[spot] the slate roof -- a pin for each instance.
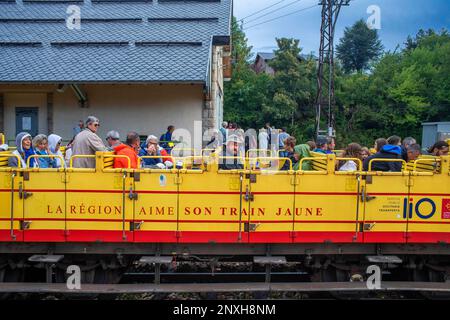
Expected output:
(119, 40)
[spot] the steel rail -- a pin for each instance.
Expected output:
(12, 287)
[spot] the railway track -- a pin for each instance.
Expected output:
(389, 286)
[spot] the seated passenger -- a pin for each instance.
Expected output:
(353, 150)
(54, 144)
(300, 152)
(40, 144)
(68, 152)
(23, 151)
(289, 145)
(321, 145)
(407, 142)
(439, 149)
(231, 154)
(151, 148)
(130, 149)
(331, 145)
(365, 153)
(413, 152)
(312, 145)
(112, 139)
(379, 143)
(391, 150)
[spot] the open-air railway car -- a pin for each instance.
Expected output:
(324, 219)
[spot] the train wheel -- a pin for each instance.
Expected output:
(108, 276)
(8, 274)
(436, 276)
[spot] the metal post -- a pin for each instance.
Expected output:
(13, 236)
(240, 205)
(330, 13)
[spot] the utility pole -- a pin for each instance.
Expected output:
(330, 13)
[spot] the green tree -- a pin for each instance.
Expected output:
(293, 87)
(359, 47)
(245, 94)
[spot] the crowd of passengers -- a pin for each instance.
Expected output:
(392, 148)
(45, 152)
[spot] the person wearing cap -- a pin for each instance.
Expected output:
(321, 145)
(87, 142)
(230, 154)
(112, 139)
(24, 151)
(151, 148)
(128, 149)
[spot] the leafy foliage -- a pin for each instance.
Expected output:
(402, 90)
(359, 46)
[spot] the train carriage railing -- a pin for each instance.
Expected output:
(355, 186)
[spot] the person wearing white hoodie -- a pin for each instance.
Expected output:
(54, 144)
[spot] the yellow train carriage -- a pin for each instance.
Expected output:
(201, 204)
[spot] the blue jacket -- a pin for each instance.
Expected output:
(149, 162)
(166, 137)
(45, 162)
(387, 152)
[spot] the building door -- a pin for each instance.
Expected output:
(27, 120)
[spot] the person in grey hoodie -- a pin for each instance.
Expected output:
(24, 151)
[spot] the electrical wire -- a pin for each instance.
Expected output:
(272, 11)
(263, 9)
(279, 17)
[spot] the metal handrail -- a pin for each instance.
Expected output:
(258, 150)
(182, 149)
(424, 160)
(77, 156)
(10, 155)
(236, 158)
(208, 149)
(310, 159)
(386, 160)
(351, 159)
(189, 157)
(274, 158)
(151, 157)
(37, 156)
(119, 156)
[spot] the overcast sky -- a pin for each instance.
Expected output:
(399, 18)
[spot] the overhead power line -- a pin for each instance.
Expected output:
(272, 11)
(279, 17)
(263, 9)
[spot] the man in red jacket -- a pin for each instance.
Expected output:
(129, 149)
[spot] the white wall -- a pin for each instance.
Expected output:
(24, 99)
(147, 109)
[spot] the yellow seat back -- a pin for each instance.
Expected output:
(321, 163)
(4, 159)
(108, 162)
(428, 165)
